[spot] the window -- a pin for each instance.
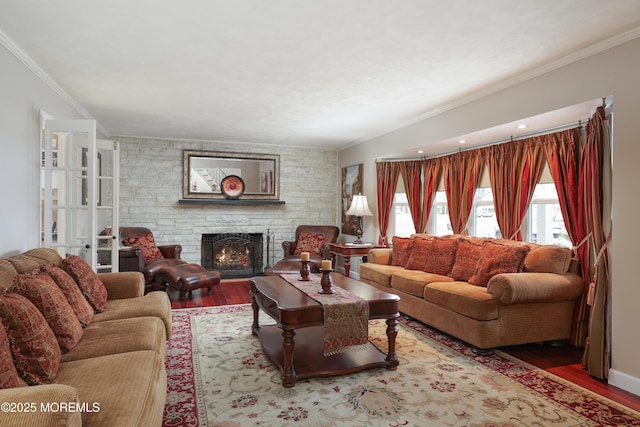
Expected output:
(403, 222)
(544, 221)
(482, 221)
(439, 223)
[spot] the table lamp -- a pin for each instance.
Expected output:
(359, 208)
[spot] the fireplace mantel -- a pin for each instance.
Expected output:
(229, 202)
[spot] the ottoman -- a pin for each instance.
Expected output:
(187, 277)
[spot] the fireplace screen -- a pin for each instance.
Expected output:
(233, 254)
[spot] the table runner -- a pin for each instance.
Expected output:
(346, 316)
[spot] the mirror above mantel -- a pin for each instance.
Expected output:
(204, 172)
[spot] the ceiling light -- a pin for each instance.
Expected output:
(462, 141)
(420, 151)
(523, 126)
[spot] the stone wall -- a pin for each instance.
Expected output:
(151, 185)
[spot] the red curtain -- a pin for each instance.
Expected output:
(595, 174)
(432, 171)
(387, 176)
(563, 151)
(514, 171)
(411, 172)
(461, 173)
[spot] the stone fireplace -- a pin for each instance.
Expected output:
(233, 254)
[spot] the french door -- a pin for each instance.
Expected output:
(80, 193)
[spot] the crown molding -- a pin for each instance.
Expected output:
(609, 43)
(33, 66)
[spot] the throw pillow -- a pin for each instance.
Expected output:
(88, 281)
(496, 258)
(467, 259)
(400, 250)
(146, 244)
(42, 291)
(310, 242)
(81, 307)
(443, 254)
(9, 377)
(35, 350)
(421, 249)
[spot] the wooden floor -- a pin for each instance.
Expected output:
(562, 361)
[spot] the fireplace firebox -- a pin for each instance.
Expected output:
(233, 254)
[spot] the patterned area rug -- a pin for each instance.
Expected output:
(219, 377)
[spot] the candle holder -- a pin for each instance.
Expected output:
(326, 282)
(305, 272)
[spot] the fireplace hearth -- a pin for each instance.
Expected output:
(233, 254)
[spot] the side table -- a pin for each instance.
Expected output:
(346, 251)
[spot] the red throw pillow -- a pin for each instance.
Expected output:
(421, 249)
(496, 258)
(400, 250)
(35, 350)
(81, 307)
(88, 281)
(442, 256)
(42, 291)
(310, 242)
(9, 377)
(467, 259)
(146, 244)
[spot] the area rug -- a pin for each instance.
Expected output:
(219, 377)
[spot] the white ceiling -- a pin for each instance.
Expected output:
(294, 72)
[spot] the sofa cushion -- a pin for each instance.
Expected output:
(497, 258)
(154, 304)
(45, 256)
(9, 377)
(467, 260)
(81, 307)
(400, 250)
(414, 281)
(90, 285)
(7, 273)
(42, 291)
(23, 263)
(35, 350)
(310, 242)
(130, 388)
(147, 244)
(120, 336)
(378, 273)
(463, 298)
(548, 259)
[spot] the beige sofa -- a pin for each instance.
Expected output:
(115, 375)
(533, 302)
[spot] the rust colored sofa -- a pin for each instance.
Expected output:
(308, 238)
(115, 371)
(487, 292)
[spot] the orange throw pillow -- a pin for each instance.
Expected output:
(497, 259)
(400, 250)
(441, 259)
(35, 350)
(467, 259)
(42, 291)
(88, 281)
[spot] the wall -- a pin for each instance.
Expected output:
(151, 185)
(611, 72)
(22, 96)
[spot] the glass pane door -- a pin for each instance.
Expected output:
(107, 198)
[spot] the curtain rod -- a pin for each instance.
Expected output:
(495, 142)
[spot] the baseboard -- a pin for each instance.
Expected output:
(624, 381)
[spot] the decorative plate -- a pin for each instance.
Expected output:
(232, 186)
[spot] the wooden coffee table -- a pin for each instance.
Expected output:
(295, 343)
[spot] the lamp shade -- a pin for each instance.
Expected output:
(359, 206)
